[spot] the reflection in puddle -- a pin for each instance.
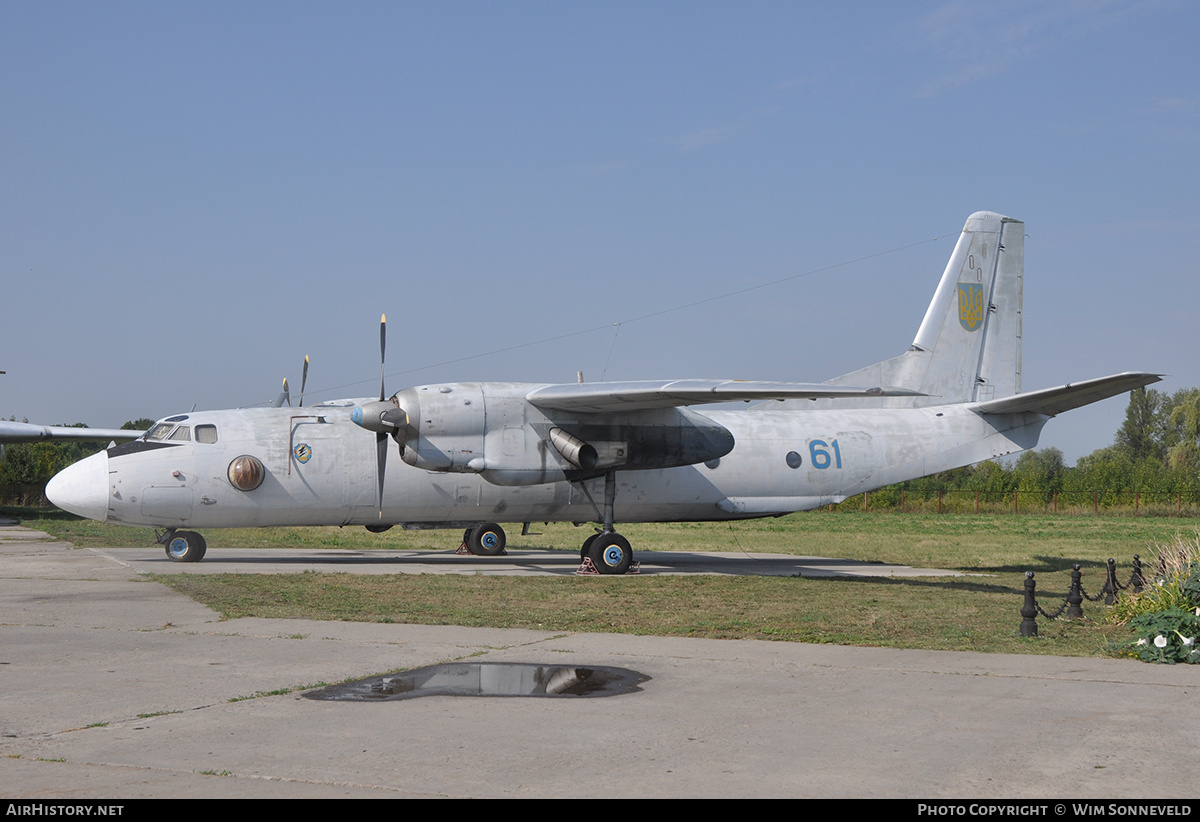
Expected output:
(488, 679)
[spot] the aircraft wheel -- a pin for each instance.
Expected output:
(611, 553)
(186, 546)
(486, 540)
(587, 546)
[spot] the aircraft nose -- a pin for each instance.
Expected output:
(82, 488)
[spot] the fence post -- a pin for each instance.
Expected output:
(1110, 587)
(1095, 503)
(939, 500)
(1015, 493)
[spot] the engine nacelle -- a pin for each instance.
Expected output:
(492, 430)
(446, 427)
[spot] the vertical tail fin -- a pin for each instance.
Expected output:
(968, 347)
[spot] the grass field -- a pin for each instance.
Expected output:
(978, 612)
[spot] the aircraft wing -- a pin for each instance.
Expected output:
(1052, 401)
(607, 397)
(28, 432)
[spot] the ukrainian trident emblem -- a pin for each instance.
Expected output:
(970, 306)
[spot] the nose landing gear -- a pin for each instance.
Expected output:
(183, 546)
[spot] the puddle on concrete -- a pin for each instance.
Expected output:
(489, 679)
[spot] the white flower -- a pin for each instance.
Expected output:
(1189, 641)
(1142, 641)
(1160, 641)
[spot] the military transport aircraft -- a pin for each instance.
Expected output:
(472, 454)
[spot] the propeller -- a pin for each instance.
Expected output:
(384, 417)
(285, 395)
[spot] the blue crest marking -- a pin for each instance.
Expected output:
(302, 452)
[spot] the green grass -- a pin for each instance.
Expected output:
(977, 613)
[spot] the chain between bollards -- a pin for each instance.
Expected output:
(1073, 602)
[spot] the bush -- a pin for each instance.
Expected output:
(1166, 636)
(1165, 616)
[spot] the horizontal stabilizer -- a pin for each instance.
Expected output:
(1052, 401)
(607, 397)
(28, 432)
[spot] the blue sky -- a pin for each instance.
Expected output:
(194, 196)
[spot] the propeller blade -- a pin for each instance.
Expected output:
(284, 396)
(303, 380)
(381, 457)
(382, 349)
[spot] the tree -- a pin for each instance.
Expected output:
(1041, 471)
(1144, 433)
(1184, 453)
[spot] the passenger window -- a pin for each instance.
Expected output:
(206, 433)
(182, 434)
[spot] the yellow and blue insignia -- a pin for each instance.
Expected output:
(302, 453)
(970, 306)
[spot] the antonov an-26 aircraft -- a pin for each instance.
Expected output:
(472, 454)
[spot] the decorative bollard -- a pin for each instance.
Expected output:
(1075, 595)
(1110, 587)
(1029, 610)
(1137, 581)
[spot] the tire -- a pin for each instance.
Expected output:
(486, 540)
(587, 546)
(611, 553)
(186, 546)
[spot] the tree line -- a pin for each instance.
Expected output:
(1155, 455)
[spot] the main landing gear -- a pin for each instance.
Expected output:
(607, 551)
(484, 540)
(183, 546)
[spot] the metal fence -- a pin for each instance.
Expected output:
(1097, 502)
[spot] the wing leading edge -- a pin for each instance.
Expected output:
(28, 432)
(608, 397)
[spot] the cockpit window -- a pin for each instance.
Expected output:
(206, 433)
(182, 434)
(160, 431)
